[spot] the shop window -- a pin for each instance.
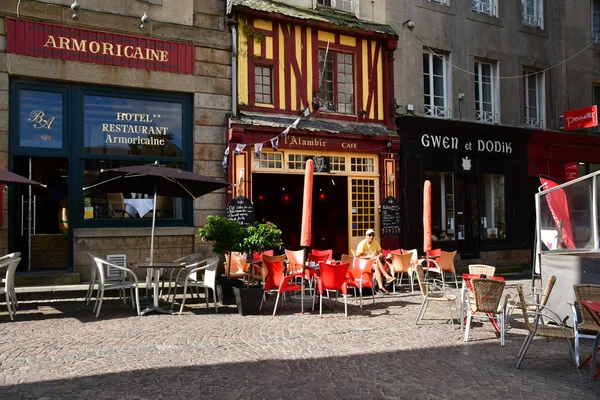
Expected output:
(442, 205)
(337, 163)
(487, 7)
(99, 205)
(268, 160)
(336, 90)
(362, 164)
(533, 99)
(40, 119)
(296, 161)
(132, 127)
(596, 21)
(486, 87)
(363, 206)
(262, 85)
(532, 13)
(492, 207)
(434, 85)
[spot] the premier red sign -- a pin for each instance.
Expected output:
(582, 118)
(55, 41)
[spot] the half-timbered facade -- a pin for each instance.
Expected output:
(312, 83)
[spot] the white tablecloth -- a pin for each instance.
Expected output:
(140, 206)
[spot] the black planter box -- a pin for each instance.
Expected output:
(225, 289)
(248, 300)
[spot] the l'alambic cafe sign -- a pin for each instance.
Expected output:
(67, 43)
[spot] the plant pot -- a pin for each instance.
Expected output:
(248, 299)
(225, 289)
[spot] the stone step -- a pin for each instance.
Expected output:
(43, 278)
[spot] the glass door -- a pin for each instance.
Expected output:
(467, 215)
(42, 232)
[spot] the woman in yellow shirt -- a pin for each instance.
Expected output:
(369, 248)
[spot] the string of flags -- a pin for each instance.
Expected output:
(259, 146)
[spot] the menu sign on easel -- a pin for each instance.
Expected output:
(240, 209)
(390, 216)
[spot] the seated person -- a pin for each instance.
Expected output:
(369, 248)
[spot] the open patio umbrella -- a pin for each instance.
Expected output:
(156, 179)
(306, 232)
(11, 177)
(426, 216)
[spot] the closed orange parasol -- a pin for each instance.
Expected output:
(306, 232)
(426, 216)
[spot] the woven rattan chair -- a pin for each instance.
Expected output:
(487, 297)
(433, 291)
(548, 331)
(482, 269)
(584, 326)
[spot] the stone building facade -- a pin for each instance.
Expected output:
(93, 84)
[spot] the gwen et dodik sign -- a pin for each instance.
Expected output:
(67, 43)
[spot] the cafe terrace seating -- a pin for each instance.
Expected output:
(487, 298)
(536, 300)
(584, 326)
(557, 330)
(199, 275)
(482, 269)
(189, 259)
(110, 275)
(277, 280)
(433, 291)
(360, 275)
(332, 277)
(8, 265)
(295, 261)
(104, 285)
(401, 264)
(442, 264)
(328, 253)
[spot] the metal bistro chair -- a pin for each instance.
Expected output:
(584, 326)
(487, 297)
(433, 291)
(548, 331)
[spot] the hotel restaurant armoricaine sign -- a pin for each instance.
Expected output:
(127, 126)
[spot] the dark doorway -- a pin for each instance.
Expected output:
(278, 199)
(41, 214)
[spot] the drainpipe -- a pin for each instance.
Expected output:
(233, 24)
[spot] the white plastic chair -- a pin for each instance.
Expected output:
(110, 275)
(106, 285)
(9, 284)
(185, 260)
(192, 279)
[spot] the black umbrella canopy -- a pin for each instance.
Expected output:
(166, 181)
(10, 177)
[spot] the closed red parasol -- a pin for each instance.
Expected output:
(426, 216)
(306, 232)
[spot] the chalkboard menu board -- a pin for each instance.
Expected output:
(390, 217)
(240, 209)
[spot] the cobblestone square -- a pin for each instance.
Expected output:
(58, 350)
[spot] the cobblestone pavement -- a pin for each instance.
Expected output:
(58, 350)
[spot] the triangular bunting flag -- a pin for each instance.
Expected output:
(257, 149)
(238, 148)
(295, 124)
(284, 133)
(225, 161)
(306, 113)
(275, 143)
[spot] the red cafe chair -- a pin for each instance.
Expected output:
(328, 253)
(332, 277)
(257, 261)
(361, 276)
(277, 280)
(431, 262)
(310, 274)
(388, 258)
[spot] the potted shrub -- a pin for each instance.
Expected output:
(259, 237)
(226, 236)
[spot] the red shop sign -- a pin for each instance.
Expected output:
(581, 118)
(571, 171)
(66, 43)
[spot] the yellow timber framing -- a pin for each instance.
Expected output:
(369, 179)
